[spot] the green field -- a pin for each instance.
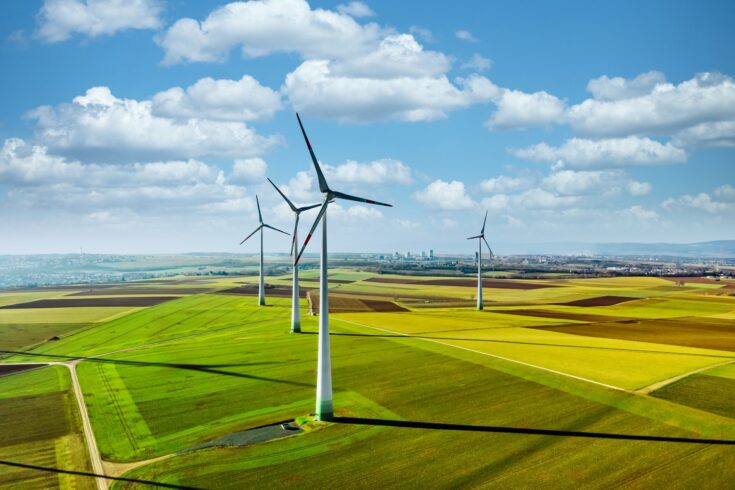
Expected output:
(40, 432)
(529, 392)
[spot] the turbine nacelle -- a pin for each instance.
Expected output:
(481, 236)
(329, 195)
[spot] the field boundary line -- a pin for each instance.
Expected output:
(647, 390)
(617, 388)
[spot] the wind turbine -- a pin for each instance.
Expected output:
(480, 238)
(324, 405)
(295, 307)
(261, 285)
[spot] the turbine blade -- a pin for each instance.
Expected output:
(293, 208)
(306, 208)
(253, 233)
(473, 237)
(342, 195)
(276, 229)
(483, 224)
(257, 203)
(488, 247)
(311, 232)
(323, 187)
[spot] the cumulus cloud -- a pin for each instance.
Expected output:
(355, 9)
(99, 126)
(720, 133)
(228, 100)
(263, 27)
(248, 170)
(385, 171)
(725, 192)
(642, 214)
(478, 63)
(314, 88)
(701, 202)
(505, 183)
(59, 19)
(46, 181)
(449, 196)
(612, 152)
(617, 88)
(648, 105)
(518, 110)
(465, 36)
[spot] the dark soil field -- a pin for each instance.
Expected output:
(710, 393)
(459, 282)
(692, 332)
(347, 304)
(270, 290)
(127, 291)
(6, 370)
(562, 315)
(93, 302)
(600, 301)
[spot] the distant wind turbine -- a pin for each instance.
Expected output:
(295, 307)
(480, 238)
(261, 285)
(324, 405)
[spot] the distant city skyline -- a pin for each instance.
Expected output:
(149, 126)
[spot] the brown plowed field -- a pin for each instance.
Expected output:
(270, 290)
(126, 291)
(346, 304)
(131, 301)
(600, 301)
(10, 369)
(487, 283)
(706, 333)
(562, 315)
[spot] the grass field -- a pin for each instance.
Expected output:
(39, 427)
(532, 391)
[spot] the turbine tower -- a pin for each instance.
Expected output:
(261, 285)
(324, 405)
(480, 238)
(295, 307)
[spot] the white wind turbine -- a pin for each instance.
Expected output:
(480, 238)
(261, 285)
(324, 405)
(295, 307)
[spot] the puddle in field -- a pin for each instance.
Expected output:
(253, 436)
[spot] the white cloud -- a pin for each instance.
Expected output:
(352, 213)
(228, 100)
(445, 195)
(642, 214)
(465, 36)
(665, 108)
(385, 171)
(636, 188)
(60, 19)
(725, 192)
(396, 56)
(422, 33)
(355, 9)
(248, 170)
(314, 88)
(537, 198)
(617, 88)
(521, 110)
(504, 184)
(721, 133)
(99, 126)
(604, 153)
(495, 202)
(700, 202)
(477, 62)
(264, 27)
(45, 181)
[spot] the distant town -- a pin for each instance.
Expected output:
(27, 271)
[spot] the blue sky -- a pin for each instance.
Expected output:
(149, 126)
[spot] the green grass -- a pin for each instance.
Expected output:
(14, 337)
(710, 393)
(39, 426)
(175, 375)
